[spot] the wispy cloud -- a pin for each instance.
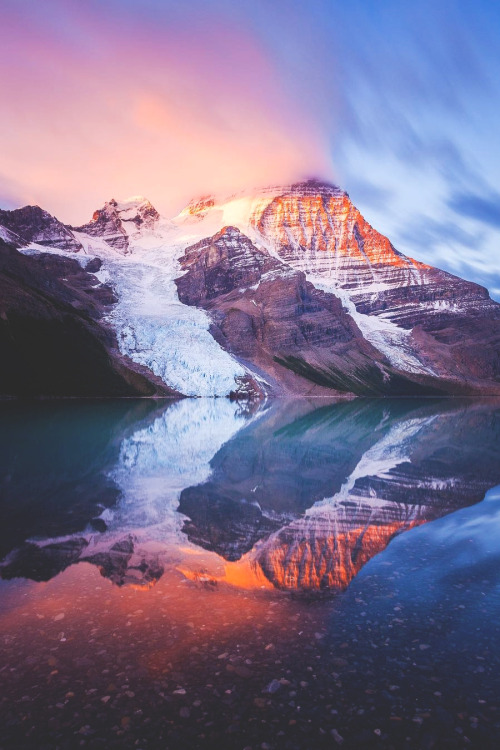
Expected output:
(482, 208)
(397, 102)
(426, 230)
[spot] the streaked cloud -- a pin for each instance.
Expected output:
(397, 102)
(482, 208)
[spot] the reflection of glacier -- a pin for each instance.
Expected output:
(297, 497)
(142, 530)
(154, 466)
(157, 462)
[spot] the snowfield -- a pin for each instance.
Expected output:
(156, 330)
(173, 340)
(153, 327)
(390, 339)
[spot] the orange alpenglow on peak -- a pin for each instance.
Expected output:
(319, 218)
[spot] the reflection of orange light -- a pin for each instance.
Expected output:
(325, 562)
(304, 563)
(146, 586)
(246, 575)
(160, 631)
(243, 574)
(190, 551)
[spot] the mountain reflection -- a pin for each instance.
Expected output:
(294, 496)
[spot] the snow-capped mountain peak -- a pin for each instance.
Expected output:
(118, 221)
(286, 286)
(32, 224)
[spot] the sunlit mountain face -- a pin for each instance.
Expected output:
(282, 291)
(291, 497)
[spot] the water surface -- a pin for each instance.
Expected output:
(206, 574)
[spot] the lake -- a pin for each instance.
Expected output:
(212, 574)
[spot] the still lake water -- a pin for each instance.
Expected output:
(200, 574)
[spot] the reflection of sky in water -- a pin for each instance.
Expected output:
(461, 547)
(426, 614)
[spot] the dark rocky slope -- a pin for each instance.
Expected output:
(33, 224)
(52, 341)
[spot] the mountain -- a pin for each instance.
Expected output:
(283, 291)
(117, 222)
(428, 323)
(52, 340)
(32, 224)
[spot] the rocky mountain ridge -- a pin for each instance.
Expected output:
(282, 291)
(31, 224)
(52, 340)
(117, 221)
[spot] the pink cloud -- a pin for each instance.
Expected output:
(98, 107)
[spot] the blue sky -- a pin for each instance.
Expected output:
(408, 99)
(398, 102)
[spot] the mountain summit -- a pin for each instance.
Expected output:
(284, 290)
(31, 224)
(117, 221)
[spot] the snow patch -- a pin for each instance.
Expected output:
(394, 342)
(388, 453)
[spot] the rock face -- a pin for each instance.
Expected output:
(448, 325)
(315, 226)
(268, 314)
(33, 224)
(52, 342)
(284, 291)
(117, 221)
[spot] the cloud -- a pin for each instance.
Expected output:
(482, 208)
(426, 231)
(368, 193)
(167, 104)
(454, 246)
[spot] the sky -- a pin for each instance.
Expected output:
(396, 102)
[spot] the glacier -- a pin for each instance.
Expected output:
(140, 254)
(156, 330)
